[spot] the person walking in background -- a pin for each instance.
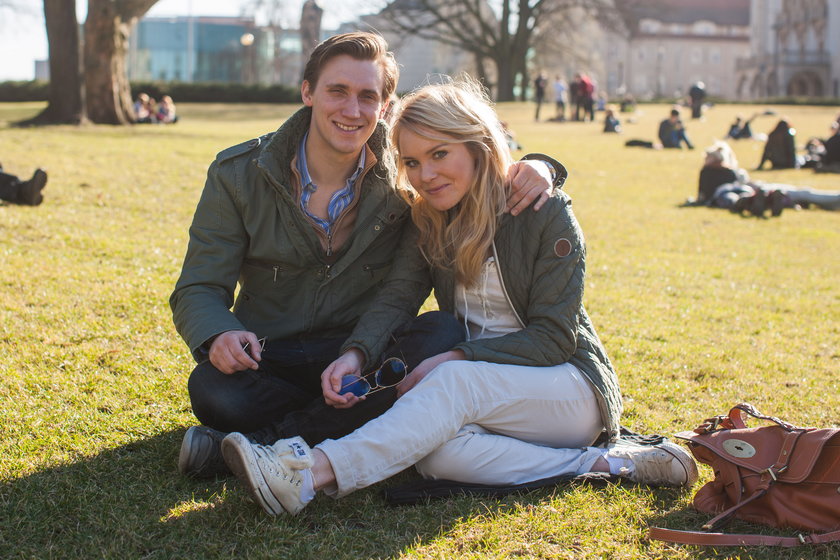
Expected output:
(540, 83)
(26, 193)
(575, 99)
(587, 96)
(528, 393)
(560, 98)
(697, 96)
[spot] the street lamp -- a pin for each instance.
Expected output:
(247, 42)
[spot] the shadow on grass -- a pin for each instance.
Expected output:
(688, 519)
(131, 502)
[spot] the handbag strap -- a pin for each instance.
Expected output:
(752, 411)
(723, 539)
(735, 420)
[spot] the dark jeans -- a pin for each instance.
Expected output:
(283, 397)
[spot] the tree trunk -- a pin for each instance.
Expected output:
(66, 95)
(504, 78)
(107, 28)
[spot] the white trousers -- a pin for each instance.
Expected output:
(476, 422)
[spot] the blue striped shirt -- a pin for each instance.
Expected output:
(339, 201)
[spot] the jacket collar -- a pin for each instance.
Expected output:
(281, 149)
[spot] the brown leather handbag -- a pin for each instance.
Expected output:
(778, 475)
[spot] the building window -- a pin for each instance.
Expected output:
(714, 56)
(696, 55)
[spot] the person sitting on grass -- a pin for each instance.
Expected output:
(165, 113)
(740, 129)
(830, 157)
(528, 393)
(611, 122)
(26, 193)
(780, 148)
(671, 134)
(308, 223)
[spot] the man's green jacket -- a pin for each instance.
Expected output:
(249, 228)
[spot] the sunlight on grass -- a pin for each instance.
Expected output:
(699, 309)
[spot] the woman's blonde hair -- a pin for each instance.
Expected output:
(723, 154)
(458, 112)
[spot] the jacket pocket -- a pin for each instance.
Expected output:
(377, 271)
(275, 270)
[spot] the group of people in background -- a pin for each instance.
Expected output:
(579, 96)
(147, 110)
(724, 184)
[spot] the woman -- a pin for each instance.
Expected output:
(780, 149)
(529, 391)
(723, 184)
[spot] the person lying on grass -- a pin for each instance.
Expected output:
(723, 184)
(531, 389)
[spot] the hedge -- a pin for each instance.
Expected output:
(179, 91)
(242, 93)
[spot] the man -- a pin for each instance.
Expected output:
(672, 132)
(308, 221)
(697, 95)
(830, 160)
(540, 83)
(27, 193)
(559, 99)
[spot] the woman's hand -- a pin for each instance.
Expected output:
(424, 368)
(349, 363)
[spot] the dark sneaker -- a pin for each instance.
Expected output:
(758, 205)
(201, 453)
(30, 191)
(777, 201)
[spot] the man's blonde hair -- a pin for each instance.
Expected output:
(458, 112)
(360, 45)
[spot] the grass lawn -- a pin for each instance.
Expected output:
(698, 308)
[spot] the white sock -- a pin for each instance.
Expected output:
(619, 465)
(307, 486)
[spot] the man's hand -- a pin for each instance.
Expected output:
(227, 353)
(349, 363)
(424, 368)
(529, 180)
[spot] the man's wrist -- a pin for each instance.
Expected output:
(558, 171)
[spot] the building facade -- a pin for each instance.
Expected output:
(794, 50)
(214, 49)
(671, 44)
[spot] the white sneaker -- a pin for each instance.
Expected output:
(272, 473)
(666, 464)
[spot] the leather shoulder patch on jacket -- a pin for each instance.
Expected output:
(562, 247)
(242, 149)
